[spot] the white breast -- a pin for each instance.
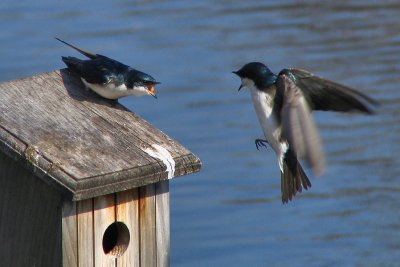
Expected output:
(111, 91)
(263, 103)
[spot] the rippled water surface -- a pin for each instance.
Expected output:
(230, 214)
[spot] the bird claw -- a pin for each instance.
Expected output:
(261, 142)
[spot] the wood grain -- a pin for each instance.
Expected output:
(30, 218)
(104, 215)
(85, 233)
(85, 144)
(148, 248)
(69, 234)
(162, 223)
(128, 213)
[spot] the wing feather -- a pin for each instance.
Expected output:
(298, 126)
(323, 94)
(101, 70)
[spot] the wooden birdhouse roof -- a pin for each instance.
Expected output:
(83, 144)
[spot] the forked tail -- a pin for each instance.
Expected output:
(293, 178)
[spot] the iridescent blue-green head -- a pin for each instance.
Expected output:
(141, 82)
(256, 73)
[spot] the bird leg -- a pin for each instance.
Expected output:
(261, 142)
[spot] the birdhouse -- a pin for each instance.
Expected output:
(83, 180)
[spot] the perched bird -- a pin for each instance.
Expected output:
(109, 78)
(283, 104)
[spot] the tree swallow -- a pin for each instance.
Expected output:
(283, 104)
(108, 77)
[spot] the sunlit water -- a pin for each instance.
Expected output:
(230, 214)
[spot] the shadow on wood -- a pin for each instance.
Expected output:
(76, 90)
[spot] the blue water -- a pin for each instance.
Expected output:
(230, 214)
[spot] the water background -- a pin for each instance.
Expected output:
(230, 214)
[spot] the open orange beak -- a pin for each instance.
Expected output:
(151, 90)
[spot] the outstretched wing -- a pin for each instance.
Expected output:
(323, 94)
(298, 127)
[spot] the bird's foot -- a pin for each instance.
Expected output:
(261, 142)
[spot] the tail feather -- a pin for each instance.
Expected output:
(293, 178)
(83, 52)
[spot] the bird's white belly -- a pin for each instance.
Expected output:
(263, 104)
(111, 91)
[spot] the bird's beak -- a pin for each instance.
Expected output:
(240, 87)
(151, 91)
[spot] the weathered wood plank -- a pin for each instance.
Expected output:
(30, 219)
(104, 215)
(65, 124)
(128, 213)
(85, 233)
(71, 133)
(162, 223)
(147, 217)
(69, 234)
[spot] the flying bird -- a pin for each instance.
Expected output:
(283, 104)
(109, 78)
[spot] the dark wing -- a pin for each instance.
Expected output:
(323, 94)
(83, 52)
(298, 127)
(100, 70)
